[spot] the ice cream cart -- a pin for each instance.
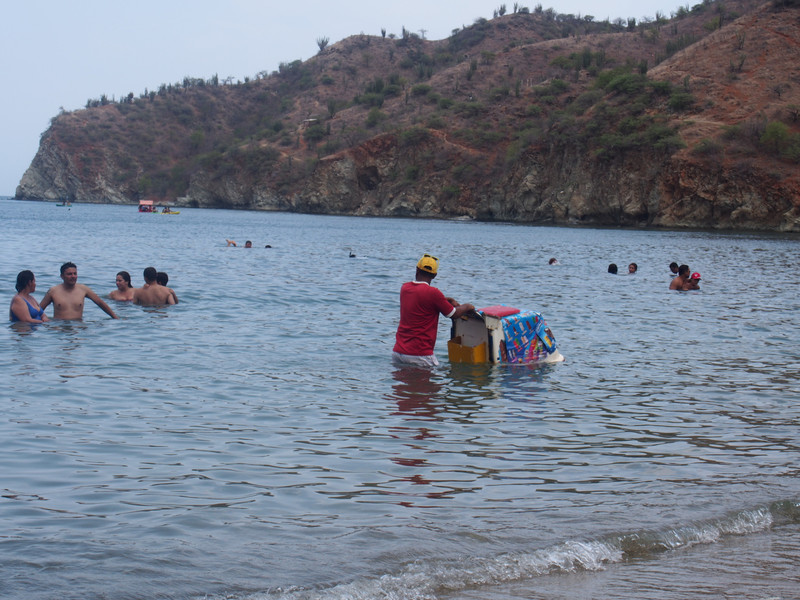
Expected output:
(502, 334)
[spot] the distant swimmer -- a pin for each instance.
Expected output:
(163, 279)
(673, 268)
(632, 268)
(230, 243)
(682, 280)
(552, 261)
(152, 294)
(352, 254)
(124, 291)
(248, 244)
(612, 268)
(24, 308)
(67, 298)
(694, 282)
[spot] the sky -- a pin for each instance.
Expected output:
(57, 54)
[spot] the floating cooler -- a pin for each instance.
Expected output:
(502, 334)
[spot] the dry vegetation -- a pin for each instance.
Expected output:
(717, 83)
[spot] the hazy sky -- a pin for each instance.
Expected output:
(60, 53)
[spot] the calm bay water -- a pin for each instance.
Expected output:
(255, 441)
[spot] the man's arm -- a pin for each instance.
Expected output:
(462, 309)
(48, 298)
(99, 301)
(174, 295)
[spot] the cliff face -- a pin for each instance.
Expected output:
(58, 171)
(648, 191)
(483, 125)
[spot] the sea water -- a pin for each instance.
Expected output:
(255, 442)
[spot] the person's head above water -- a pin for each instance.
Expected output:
(612, 268)
(162, 278)
(126, 277)
(23, 279)
(69, 274)
(248, 244)
(683, 270)
(67, 265)
(150, 274)
(427, 267)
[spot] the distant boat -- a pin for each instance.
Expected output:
(146, 206)
(150, 206)
(64, 203)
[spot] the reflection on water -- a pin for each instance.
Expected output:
(256, 438)
(415, 392)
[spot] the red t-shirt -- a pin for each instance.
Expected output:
(420, 305)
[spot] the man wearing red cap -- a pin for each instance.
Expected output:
(693, 283)
(420, 306)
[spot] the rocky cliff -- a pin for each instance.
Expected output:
(687, 122)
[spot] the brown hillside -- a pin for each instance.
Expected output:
(690, 121)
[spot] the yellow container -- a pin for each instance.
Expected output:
(465, 354)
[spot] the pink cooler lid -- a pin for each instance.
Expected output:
(499, 311)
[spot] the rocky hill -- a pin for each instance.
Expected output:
(689, 121)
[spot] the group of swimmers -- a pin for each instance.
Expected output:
(682, 280)
(632, 268)
(153, 292)
(67, 298)
(247, 244)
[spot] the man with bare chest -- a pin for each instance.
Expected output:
(152, 294)
(67, 298)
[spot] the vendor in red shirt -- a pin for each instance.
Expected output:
(420, 305)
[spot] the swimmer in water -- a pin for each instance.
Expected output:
(124, 291)
(152, 294)
(24, 307)
(163, 279)
(67, 298)
(681, 282)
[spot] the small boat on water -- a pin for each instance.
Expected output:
(150, 206)
(64, 203)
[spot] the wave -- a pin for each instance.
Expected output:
(433, 578)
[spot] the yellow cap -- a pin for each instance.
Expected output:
(428, 263)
